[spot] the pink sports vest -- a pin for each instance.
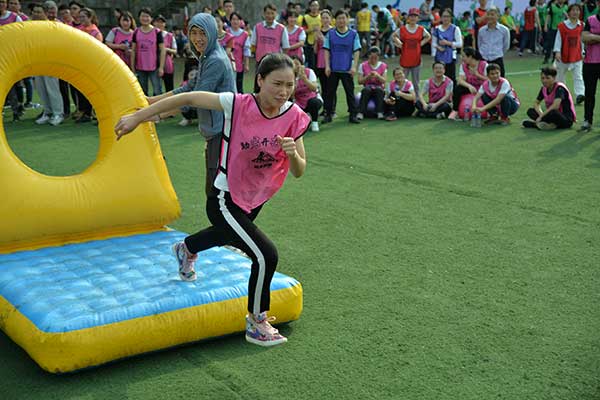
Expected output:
(437, 92)
(367, 68)
(294, 38)
(24, 17)
(320, 52)
(120, 38)
(592, 51)
(254, 162)
(238, 50)
(549, 97)
(168, 43)
(268, 40)
(226, 39)
(472, 78)
(486, 89)
(406, 88)
(146, 58)
(303, 93)
(12, 17)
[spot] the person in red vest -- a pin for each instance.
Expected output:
(479, 14)
(560, 110)
(532, 22)
(409, 39)
(568, 51)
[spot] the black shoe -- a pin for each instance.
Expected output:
(529, 124)
(580, 99)
(83, 119)
(354, 120)
(326, 119)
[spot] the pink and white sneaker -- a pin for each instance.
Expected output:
(186, 261)
(259, 331)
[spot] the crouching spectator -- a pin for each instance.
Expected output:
(400, 101)
(306, 94)
(499, 99)
(439, 91)
(371, 74)
(560, 109)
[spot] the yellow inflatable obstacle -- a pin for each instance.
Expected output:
(86, 274)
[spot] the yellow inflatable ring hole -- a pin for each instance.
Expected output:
(126, 190)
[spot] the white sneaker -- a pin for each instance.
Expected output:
(360, 116)
(42, 120)
(314, 126)
(380, 116)
(184, 122)
(56, 120)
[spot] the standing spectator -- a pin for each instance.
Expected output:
(269, 36)
(384, 31)
(493, 40)
(591, 67)
(241, 50)
(341, 60)
(557, 13)
(221, 8)
(498, 97)
(542, 9)
(471, 75)
(224, 37)
(15, 6)
(291, 6)
(425, 16)
(215, 74)
(8, 17)
(296, 37)
(508, 21)
(400, 101)
(47, 86)
(229, 9)
(170, 45)
(306, 94)
(446, 38)
(466, 29)
(409, 39)
(480, 16)
(320, 56)
(148, 53)
(88, 24)
(560, 110)
(119, 38)
(75, 7)
(568, 51)
(439, 94)
(64, 15)
(372, 75)
(532, 22)
(363, 26)
(180, 39)
(590, 7)
(311, 23)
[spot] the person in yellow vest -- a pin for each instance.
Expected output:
(363, 26)
(311, 23)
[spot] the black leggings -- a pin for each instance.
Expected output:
(312, 108)
(324, 81)
(168, 80)
(553, 117)
(443, 108)
(457, 95)
(239, 81)
(401, 108)
(591, 74)
(232, 226)
(368, 93)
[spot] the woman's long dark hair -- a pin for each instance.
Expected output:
(270, 63)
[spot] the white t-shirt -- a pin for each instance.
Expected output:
(504, 89)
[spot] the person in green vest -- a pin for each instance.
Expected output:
(590, 7)
(465, 24)
(508, 21)
(557, 13)
(542, 10)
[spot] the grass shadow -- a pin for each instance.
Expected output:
(568, 148)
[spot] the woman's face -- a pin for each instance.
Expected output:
(145, 19)
(277, 87)
(84, 19)
(399, 75)
(291, 20)
(160, 24)
(235, 22)
(125, 23)
(325, 19)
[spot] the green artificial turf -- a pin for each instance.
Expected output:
(438, 261)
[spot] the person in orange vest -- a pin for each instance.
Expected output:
(568, 51)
